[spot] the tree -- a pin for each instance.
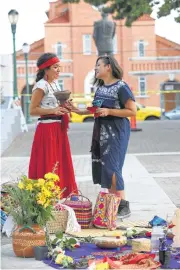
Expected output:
(131, 10)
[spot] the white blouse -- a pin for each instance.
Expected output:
(49, 101)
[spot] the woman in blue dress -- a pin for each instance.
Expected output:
(111, 132)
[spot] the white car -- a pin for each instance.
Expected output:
(173, 114)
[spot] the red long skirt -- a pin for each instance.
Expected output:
(50, 145)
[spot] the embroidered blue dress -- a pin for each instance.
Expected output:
(110, 135)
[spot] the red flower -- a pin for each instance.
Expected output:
(148, 234)
(177, 257)
(171, 226)
(76, 245)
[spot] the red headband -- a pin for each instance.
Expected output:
(49, 63)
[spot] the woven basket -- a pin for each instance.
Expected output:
(59, 222)
(82, 208)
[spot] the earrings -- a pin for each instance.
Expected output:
(46, 77)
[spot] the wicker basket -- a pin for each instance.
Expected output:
(82, 207)
(59, 222)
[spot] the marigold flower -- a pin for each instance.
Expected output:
(41, 181)
(29, 187)
(41, 199)
(20, 185)
(49, 184)
(46, 192)
(50, 176)
(47, 204)
(40, 202)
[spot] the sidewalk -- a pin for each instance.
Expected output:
(146, 197)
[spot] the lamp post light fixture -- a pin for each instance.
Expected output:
(26, 49)
(13, 16)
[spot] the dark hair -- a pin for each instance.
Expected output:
(42, 59)
(117, 71)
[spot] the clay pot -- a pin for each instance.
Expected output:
(25, 238)
(62, 96)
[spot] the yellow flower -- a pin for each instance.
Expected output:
(55, 177)
(57, 189)
(69, 259)
(47, 203)
(40, 202)
(29, 187)
(41, 199)
(50, 176)
(49, 184)
(20, 185)
(59, 258)
(41, 181)
(46, 192)
(37, 185)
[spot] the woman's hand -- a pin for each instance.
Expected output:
(69, 105)
(60, 111)
(103, 112)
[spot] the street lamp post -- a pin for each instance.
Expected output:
(13, 18)
(26, 49)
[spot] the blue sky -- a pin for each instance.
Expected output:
(32, 16)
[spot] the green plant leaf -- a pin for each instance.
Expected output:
(72, 241)
(59, 234)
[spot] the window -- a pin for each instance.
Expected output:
(61, 84)
(59, 49)
(142, 86)
(115, 48)
(87, 44)
(141, 48)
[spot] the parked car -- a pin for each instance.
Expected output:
(143, 112)
(173, 114)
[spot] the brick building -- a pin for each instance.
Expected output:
(147, 59)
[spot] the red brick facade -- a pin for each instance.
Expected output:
(147, 59)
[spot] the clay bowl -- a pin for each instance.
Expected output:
(62, 96)
(110, 242)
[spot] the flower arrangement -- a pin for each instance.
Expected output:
(58, 246)
(31, 201)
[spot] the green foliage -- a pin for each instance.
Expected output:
(168, 6)
(131, 10)
(31, 201)
(63, 242)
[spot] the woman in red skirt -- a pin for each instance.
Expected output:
(50, 145)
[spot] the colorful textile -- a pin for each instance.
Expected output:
(105, 211)
(3, 218)
(87, 249)
(157, 221)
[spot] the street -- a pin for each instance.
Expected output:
(155, 137)
(157, 147)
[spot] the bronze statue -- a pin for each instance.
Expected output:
(104, 31)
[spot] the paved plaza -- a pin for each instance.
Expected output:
(152, 175)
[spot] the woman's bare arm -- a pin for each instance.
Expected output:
(36, 110)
